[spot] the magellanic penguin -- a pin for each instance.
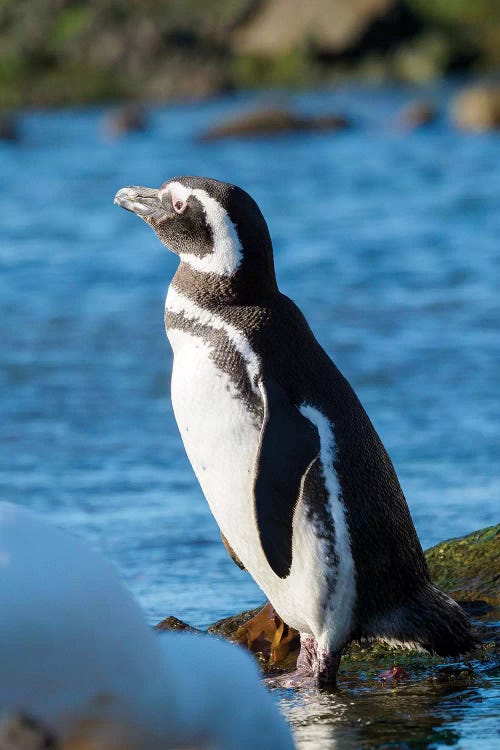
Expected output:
(288, 460)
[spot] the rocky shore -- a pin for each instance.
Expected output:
(466, 568)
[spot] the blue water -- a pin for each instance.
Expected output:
(388, 241)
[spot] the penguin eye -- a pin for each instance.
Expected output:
(179, 205)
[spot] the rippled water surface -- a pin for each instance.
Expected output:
(388, 241)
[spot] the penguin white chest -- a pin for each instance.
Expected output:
(220, 436)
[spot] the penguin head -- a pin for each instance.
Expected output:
(214, 227)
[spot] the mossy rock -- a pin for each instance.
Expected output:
(173, 623)
(229, 625)
(468, 568)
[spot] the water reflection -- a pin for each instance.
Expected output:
(418, 715)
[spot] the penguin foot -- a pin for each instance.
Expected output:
(258, 634)
(328, 666)
(267, 635)
(307, 661)
(316, 667)
(320, 663)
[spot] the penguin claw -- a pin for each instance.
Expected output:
(316, 668)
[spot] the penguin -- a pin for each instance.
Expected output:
(289, 462)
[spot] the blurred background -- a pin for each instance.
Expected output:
(68, 51)
(367, 132)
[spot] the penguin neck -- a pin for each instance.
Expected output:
(210, 290)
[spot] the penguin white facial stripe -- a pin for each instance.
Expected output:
(227, 250)
(338, 621)
(178, 303)
(177, 190)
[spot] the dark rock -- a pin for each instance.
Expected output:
(268, 122)
(173, 623)
(126, 119)
(8, 128)
(228, 626)
(477, 109)
(453, 672)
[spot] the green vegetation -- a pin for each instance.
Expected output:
(468, 568)
(74, 51)
(460, 12)
(291, 69)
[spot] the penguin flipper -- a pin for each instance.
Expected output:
(289, 443)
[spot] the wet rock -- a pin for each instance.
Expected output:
(268, 122)
(452, 673)
(416, 115)
(129, 118)
(173, 623)
(466, 568)
(477, 109)
(228, 626)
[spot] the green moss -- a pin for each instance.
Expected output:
(458, 12)
(468, 568)
(79, 83)
(294, 68)
(473, 28)
(70, 23)
(14, 81)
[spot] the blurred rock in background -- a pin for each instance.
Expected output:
(477, 108)
(9, 130)
(128, 118)
(67, 51)
(273, 121)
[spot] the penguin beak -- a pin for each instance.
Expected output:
(142, 201)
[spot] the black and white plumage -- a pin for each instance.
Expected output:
(289, 462)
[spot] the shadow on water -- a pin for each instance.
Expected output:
(415, 714)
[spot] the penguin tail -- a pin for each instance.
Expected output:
(429, 620)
